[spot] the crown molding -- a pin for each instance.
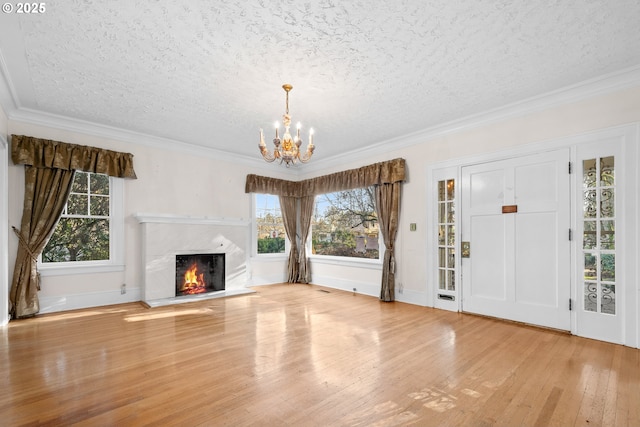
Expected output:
(602, 85)
(33, 117)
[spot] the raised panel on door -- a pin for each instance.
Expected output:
(519, 267)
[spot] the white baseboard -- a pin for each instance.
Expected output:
(367, 288)
(266, 280)
(88, 300)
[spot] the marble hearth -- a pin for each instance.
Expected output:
(165, 236)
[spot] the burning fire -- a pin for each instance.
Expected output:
(193, 282)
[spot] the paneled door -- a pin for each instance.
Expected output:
(515, 220)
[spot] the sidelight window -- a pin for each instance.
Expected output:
(599, 235)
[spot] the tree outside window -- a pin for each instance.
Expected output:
(82, 233)
(345, 224)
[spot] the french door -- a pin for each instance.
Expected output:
(600, 254)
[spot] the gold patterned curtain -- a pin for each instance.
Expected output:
(288, 206)
(49, 170)
(388, 210)
(386, 177)
(306, 212)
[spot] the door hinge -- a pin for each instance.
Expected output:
(570, 304)
(570, 235)
(570, 168)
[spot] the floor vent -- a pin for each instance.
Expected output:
(325, 291)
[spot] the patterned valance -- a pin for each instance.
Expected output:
(45, 153)
(378, 173)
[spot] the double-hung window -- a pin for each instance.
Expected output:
(89, 233)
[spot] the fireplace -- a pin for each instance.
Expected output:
(199, 273)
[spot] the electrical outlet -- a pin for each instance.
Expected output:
(123, 289)
(400, 288)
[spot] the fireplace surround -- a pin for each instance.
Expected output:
(166, 236)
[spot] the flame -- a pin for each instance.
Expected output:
(193, 281)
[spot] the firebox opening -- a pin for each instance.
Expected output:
(199, 273)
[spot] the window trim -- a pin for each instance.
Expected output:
(116, 242)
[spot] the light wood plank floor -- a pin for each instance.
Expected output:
(300, 355)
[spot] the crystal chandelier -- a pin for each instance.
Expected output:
(287, 150)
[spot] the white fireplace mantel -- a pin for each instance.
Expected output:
(185, 219)
(166, 235)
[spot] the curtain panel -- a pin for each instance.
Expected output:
(386, 177)
(45, 153)
(49, 170)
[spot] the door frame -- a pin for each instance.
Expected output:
(629, 135)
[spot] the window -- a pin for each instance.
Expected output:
(345, 224)
(271, 236)
(446, 235)
(599, 235)
(90, 225)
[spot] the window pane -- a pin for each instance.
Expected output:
(590, 296)
(441, 191)
(99, 184)
(452, 280)
(451, 211)
(607, 171)
(589, 204)
(442, 212)
(589, 237)
(608, 267)
(450, 189)
(607, 204)
(345, 223)
(607, 235)
(99, 206)
(608, 299)
(590, 269)
(78, 239)
(590, 173)
(78, 204)
(269, 223)
(80, 180)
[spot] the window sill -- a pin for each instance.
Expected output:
(67, 270)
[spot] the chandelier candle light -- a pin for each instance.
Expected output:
(287, 150)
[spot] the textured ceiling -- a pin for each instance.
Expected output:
(209, 73)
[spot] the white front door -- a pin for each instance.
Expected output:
(516, 218)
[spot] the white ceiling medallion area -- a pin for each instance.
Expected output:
(371, 75)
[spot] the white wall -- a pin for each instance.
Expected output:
(4, 212)
(618, 108)
(171, 182)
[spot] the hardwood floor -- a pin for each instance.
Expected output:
(300, 355)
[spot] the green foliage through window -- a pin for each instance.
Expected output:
(82, 233)
(345, 224)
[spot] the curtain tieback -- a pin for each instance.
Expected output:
(24, 244)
